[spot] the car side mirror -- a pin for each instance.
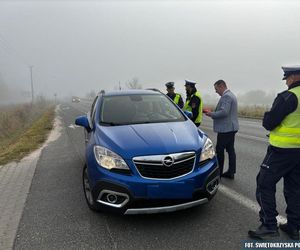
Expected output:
(83, 122)
(188, 114)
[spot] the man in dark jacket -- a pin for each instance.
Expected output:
(282, 161)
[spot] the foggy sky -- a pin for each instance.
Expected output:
(77, 46)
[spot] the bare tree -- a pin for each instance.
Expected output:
(134, 84)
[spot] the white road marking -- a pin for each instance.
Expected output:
(72, 126)
(251, 137)
(244, 201)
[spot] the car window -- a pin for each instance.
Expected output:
(93, 110)
(134, 109)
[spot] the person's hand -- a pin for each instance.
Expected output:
(206, 110)
(208, 114)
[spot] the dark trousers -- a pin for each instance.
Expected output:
(226, 141)
(278, 164)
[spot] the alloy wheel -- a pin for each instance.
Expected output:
(87, 188)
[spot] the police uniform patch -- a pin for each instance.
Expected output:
(193, 105)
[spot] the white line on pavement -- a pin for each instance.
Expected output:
(72, 126)
(244, 201)
(251, 137)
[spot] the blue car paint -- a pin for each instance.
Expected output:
(178, 188)
(150, 139)
(129, 141)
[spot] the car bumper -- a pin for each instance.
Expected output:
(166, 209)
(135, 195)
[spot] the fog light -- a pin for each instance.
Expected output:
(213, 185)
(111, 198)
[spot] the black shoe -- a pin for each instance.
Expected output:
(228, 175)
(263, 233)
(292, 233)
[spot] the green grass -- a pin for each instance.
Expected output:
(27, 134)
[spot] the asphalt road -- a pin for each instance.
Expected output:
(57, 217)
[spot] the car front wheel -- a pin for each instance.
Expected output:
(88, 192)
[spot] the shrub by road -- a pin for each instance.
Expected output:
(23, 128)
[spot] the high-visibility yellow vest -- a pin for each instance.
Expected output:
(287, 134)
(187, 107)
(176, 99)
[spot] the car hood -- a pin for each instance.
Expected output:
(150, 139)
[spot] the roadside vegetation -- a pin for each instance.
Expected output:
(255, 112)
(252, 112)
(23, 128)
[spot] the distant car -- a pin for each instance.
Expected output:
(144, 155)
(75, 99)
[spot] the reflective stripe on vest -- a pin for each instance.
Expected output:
(187, 107)
(287, 134)
(176, 99)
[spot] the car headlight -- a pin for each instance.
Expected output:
(208, 151)
(108, 159)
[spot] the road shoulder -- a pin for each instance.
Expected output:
(15, 182)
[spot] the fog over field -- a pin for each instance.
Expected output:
(76, 47)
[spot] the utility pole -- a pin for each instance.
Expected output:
(32, 91)
(119, 85)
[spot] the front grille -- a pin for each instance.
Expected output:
(153, 167)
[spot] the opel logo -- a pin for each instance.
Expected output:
(168, 161)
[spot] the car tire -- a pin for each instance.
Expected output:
(92, 204)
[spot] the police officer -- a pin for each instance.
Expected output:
(174, 96)
(282, 161)
(194, 102)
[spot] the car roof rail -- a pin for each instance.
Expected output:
(156, 90)
(102, 92)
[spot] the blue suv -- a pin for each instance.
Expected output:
(144, 155)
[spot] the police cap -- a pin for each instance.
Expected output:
(290, 70)
(190, 83)
(170, 85)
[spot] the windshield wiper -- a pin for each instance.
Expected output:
(128, 123)
(109, 123)
(142, 122)
(114, 123)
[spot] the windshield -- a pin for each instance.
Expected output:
(135, 109)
